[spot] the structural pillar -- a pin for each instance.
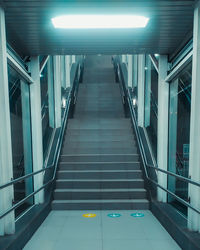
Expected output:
(130, 71)
(36, 126)
(141, 79)
(162, 138)
(57, 90)
(135, 71)
(67, 71)
(7, 224)
(51, 92)
(194, 159)
(173, 110)
(123, 58)
(147, 91)
(62, 70)
(27, 138)
(73, 58)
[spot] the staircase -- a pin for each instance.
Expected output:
(99, 165)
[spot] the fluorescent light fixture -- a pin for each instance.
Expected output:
(99, 21)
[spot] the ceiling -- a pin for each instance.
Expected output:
(30, 31)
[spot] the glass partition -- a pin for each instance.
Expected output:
(20, 116)
(179, 133)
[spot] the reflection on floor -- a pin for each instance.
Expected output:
(69, 230)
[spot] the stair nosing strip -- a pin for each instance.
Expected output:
(99, 162)
(97, 154)
(102, 201)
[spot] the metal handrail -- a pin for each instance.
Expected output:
(144, 159)
(55, 159)
(24, 177)
(185, 179)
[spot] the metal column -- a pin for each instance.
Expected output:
(57, 90)
(194, 160)
(7, 224)
(147, 92)
(162, 143)
(36, 125)
(123, 58)
(67, 71)
(173, 108)
(73, 58)
(51, 92)
(62, 67)
(141, 78)
(27, 140)
(130, 71)
(135, 71)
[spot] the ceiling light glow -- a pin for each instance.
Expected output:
(99, 21)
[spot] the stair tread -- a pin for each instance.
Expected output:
(102, 201)
(98, 180)
(99, 190)
(98, 171)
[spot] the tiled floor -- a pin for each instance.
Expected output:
(69, 230)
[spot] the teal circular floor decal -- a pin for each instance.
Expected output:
(137, 215)
(114, 215)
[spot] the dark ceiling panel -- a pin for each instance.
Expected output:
(30, 32)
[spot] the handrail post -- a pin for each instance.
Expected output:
(162, 138)
(7, 224)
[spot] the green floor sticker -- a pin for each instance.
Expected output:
(137, 215)
(114, 215)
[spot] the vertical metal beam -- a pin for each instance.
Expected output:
(147, 91)
(194, 160)
(135, 70)
(67, 71)
(162, 138)
(123, 58)
(7, 224)
(57, 90)
(36, 126)
(141, 78)
(130, 71)
(51, 103)
(173, 108)
(27, 141)
(73, 58)
(62, 70)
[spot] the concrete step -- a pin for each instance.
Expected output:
(99, 150)
(99, 145)
(99, 138)
(113, 204)
(99, 174)
(101, 132)
(100, 123)
(100, 183)
(87, 194)
(100, 114)
(99, 166)
(99, 158)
